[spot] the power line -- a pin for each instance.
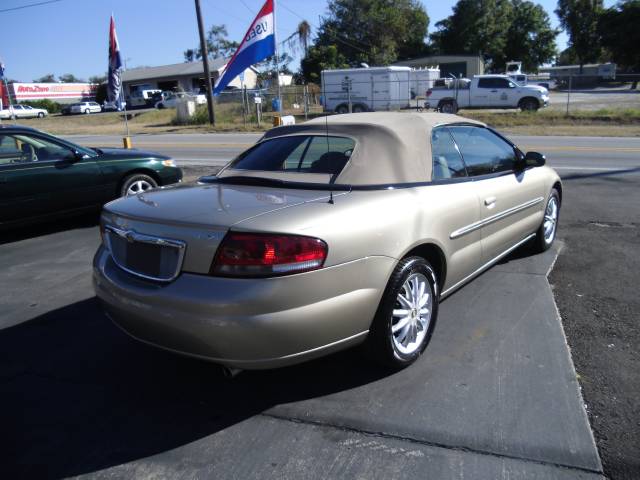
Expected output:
(28, 6)
(247, 7)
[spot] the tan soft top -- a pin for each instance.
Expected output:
(391, 147)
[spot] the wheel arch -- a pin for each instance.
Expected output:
(433, 254)
(558, 186)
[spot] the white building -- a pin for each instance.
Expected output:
(186, 76)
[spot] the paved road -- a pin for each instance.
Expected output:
(495, 395)
(563, 153)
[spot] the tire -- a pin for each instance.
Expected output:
(358, 108)
(448, 106)
(87, 111)
(137, 183)
(529, 105)
(160, 106)
(544, 238)
(402, 347)
(342, 109)
(40, 115)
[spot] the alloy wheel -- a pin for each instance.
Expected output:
(550, 220)
(139, 186)
(412, 314)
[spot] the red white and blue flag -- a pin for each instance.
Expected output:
(258, 43)
(114, 85)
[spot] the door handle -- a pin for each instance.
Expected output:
(490, 201)
(494, 91)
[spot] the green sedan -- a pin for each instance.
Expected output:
(43, 176)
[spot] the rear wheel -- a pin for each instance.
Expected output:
(40, 114)
(359, 108)
(87, 111)
(406, 315)
(546, 233)
(137, 183)
(448, 106)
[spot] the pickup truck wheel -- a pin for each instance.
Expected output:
(448, 106)
(342, 109)
(406, 316)
(529, 105)
(359, 108)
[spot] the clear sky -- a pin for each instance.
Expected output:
(70, 36)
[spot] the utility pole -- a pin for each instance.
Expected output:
(205, 63)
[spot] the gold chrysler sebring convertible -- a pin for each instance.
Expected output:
(339, 231)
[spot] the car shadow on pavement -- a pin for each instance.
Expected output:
(49, 227)
(78, 395)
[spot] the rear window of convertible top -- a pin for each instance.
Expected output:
(298, 153)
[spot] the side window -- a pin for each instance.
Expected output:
(485, 83)
(447, 162)
(483, 151)
(38, 149)
(502, 83)
(9, 150)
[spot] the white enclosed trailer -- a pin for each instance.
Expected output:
(366, 89)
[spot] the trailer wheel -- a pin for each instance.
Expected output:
(448, 106)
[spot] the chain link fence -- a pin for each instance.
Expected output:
(568, 94)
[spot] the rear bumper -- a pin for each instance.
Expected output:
(247, 323)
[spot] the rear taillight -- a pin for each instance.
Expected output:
(263, 255)
(429, 92)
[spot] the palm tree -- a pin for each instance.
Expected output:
(300, 38)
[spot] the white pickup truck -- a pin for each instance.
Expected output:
(486, 91)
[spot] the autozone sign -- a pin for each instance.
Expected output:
(52, 91)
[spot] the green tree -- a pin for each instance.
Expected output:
(530, 37)
(48, 78)
(579, 18)
(321, 57)
(218, 45)
(69, 78)
(476, 27)
(377, 32)
(619, 27)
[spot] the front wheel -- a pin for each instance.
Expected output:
(529, 105)
(137, 183)
(87, 111)
(546, 233)
(40, 115)
(406, 315)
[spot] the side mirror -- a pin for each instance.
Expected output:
(78, 155)
(534, 159)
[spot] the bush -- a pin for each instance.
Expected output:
(49, 105)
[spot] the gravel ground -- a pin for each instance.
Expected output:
(595, 282)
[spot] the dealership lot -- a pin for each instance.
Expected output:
(495, 393)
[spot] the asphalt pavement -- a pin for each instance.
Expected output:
(495, 395)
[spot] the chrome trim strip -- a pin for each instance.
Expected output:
(494, 218)
(132, 236)
(485, 266)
